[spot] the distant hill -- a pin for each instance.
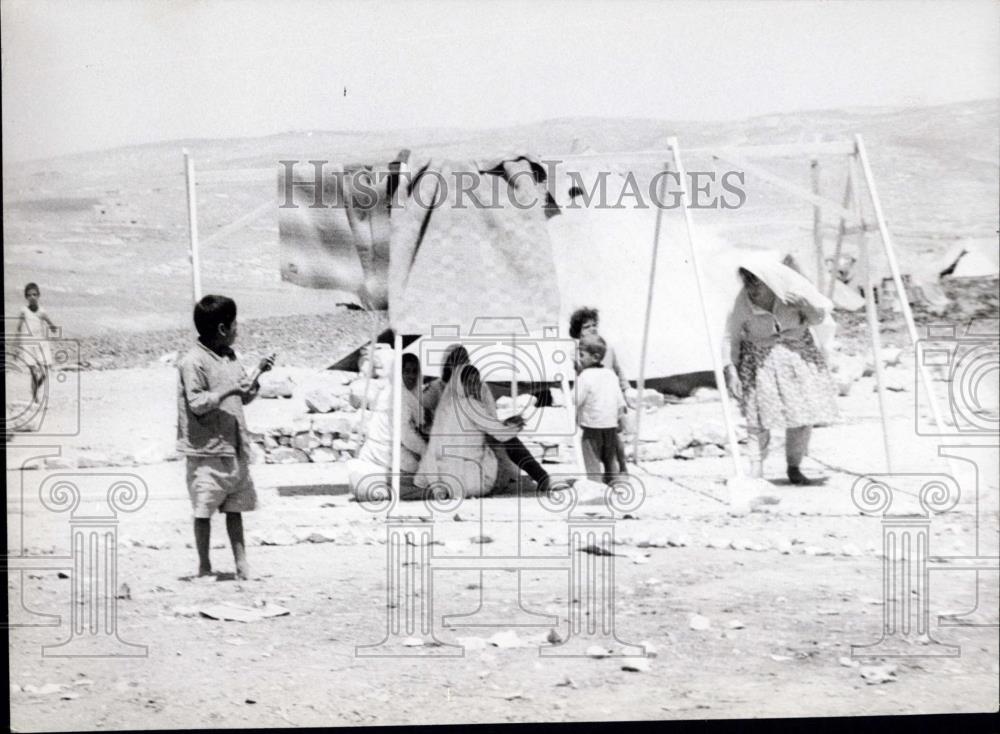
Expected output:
(105, 234)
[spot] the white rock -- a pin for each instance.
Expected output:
(339, 422)
(736, 624)
(875, 674)
(323, 455)
(275, 384)
(473, 643)
(848, 662)
(699, 623)
(597, 651)
(506, 640)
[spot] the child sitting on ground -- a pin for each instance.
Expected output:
(211, 429)
(599, 405)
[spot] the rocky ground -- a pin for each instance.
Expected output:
(740, 615)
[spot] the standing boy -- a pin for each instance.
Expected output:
(211, 429)
(599, 405)
(33, 331)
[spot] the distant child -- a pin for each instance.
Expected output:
(211, 429)
(33, 327)
(599, 405)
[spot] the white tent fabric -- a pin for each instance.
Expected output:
(602, 260)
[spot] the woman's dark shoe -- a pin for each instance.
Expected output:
(795, 476)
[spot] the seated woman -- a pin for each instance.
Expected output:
(776, 371)
(511, 448)
(375, 455)
(462, 436)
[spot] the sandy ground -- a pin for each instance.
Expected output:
(787, 591)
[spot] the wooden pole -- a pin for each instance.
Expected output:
(641, 385)
(817, 226)
(897, 278)
(871, 312)
(838, 249)
(397, 410)
(714, 344)
(192, 202)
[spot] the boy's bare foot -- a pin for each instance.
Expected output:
(243, 571)
(205, 571)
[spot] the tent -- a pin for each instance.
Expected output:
(452, 266)
(533, 264)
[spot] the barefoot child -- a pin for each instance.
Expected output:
(599, 406)
(34, 324)
(211, 430)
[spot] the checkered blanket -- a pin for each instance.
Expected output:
(484, 254)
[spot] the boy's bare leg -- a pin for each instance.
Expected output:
(234, 526)
(202, 541)
(37, 379)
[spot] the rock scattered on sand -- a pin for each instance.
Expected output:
(506, 640)
(699, 623)
(877, 674)
(636, 665)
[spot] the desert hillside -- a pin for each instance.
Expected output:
(105, 233)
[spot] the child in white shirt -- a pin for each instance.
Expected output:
(599, 405)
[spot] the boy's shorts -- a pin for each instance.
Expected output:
(220, 483)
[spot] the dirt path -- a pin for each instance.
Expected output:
(787, 591)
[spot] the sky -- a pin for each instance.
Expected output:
(84, 75)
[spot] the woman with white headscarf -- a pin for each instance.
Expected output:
(462, 437)
(776, 371)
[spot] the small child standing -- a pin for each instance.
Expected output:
(33, 327)
(599, 406)
(211, 429)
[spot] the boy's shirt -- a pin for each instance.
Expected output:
(206, 426)
(599, 398)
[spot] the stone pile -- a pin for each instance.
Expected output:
(331, 428)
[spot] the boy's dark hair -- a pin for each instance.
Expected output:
(411, 359)
(579, 318)
(34, 287)
(595, 346)
(211, 311)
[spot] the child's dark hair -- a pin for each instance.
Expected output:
(579, 318)
(409, 359)
(32, 287)
(210, 312)
(595, 346)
